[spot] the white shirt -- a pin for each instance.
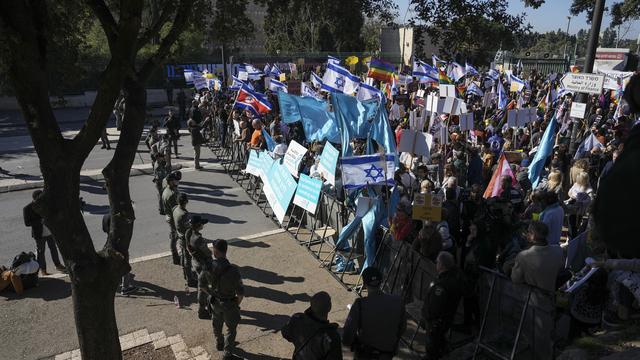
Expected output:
(29, 267)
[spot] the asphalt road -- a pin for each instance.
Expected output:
(212, 194)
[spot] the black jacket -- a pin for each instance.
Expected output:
(314, 339)
(32, 219)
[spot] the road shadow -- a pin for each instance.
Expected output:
(266, 322)
(147, 289)
(275, 295)
(210, 192)
(266, 276)
(199, 185)
(93, 187)
(9, 174)
(48, 289)
(247, 244)
(219, 201)
(218, 219)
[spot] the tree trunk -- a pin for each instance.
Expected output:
(94, 275)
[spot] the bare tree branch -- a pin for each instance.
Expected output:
(183, 13)
(104, 15)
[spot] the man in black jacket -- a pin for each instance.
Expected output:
(41, 235)
(312, 334)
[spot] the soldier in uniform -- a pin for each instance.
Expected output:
(224, 285)
(181, 223)
(170, 200)
(441, 304)
(313, 336)
(160, 172)
(375, 323)
(203, 260)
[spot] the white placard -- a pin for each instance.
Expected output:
(583, 83)
(236, 127)
(446, 105)
(414, 142)
(293, 157)
(447, 90)
(466, 121)
(420, 93)
(432, 103)
(578, 110)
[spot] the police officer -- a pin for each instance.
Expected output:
(169, 201)
(312, 334)
(375, 323)
(226, 291)
(441, 304)
(160, 172)
(203, 260)
(181, 223)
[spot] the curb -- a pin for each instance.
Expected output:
(95, 175)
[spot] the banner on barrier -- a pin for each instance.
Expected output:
(293, 157)
(279, 187)
(308, 193)
(266, 163)
(328, 162)
(254, 165)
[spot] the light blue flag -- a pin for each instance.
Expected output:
(353, 117)
(587, 145)
(318, 123)
(370, 222)
(544, 151)
(381, 132)
(271, 145)
(502, 97)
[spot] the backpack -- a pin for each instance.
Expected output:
(22, 258)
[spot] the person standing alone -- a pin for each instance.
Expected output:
(42, 235)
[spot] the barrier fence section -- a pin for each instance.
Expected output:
(516, 318)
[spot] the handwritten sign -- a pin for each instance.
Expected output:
(583, 83)
(427, 207)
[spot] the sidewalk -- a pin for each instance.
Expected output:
(279, 278)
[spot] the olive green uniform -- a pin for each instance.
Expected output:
(203, 259)
(181, 223)
(170, 200)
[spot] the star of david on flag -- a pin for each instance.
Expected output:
(338, 79)
(359, 171)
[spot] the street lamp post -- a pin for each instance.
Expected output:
(566, 43)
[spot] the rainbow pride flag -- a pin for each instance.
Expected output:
(381, 70)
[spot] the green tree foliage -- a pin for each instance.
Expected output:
(471, 29)
(230, 24)
(370, 33)
(325, 25)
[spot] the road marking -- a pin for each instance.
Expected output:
(168, 253)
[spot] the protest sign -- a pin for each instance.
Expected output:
(578, 110)
(414, 142)
(447, 90)
(328, 162)
(308, 193)
(427, 207)
(293, 157)
(466, 121)
(199, 82)
(279, 187)
(266, 163)
(254, 164)
(583, 83)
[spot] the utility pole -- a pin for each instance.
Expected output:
(590, 57)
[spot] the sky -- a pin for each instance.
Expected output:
(550, 16)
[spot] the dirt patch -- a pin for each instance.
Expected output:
(147, 352)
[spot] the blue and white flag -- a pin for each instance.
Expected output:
(275, 71)
(470, 70)
(267, 69)
(316, 80)
(424, 72)
(188, 75)
(237, 84)
(587, 145)
(253, 72)
(339, 79)
(493, 74)
(503, 100)
(474, 89)
(318, 122)
(275, 85)
(333, 60)
(436, 61)
(544, 151)
(359, 171)
(519, 83)
(306, 90)
(366, 92)
(456, 71)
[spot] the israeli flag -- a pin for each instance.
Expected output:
(252, 72)
(366, 92)
(316, 80)
(237, 84)
(474, 89)
(493, 74)
(339, 79)
(359, 171)
(424, 72)
(275, 85)
(275, 71)
(520, 84)
(436, 61)
(333, 60)
(267, 68)
(306, 90)
(470, 70)
(502, 97)
(457, 71)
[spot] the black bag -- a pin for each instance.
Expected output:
(22, 258)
